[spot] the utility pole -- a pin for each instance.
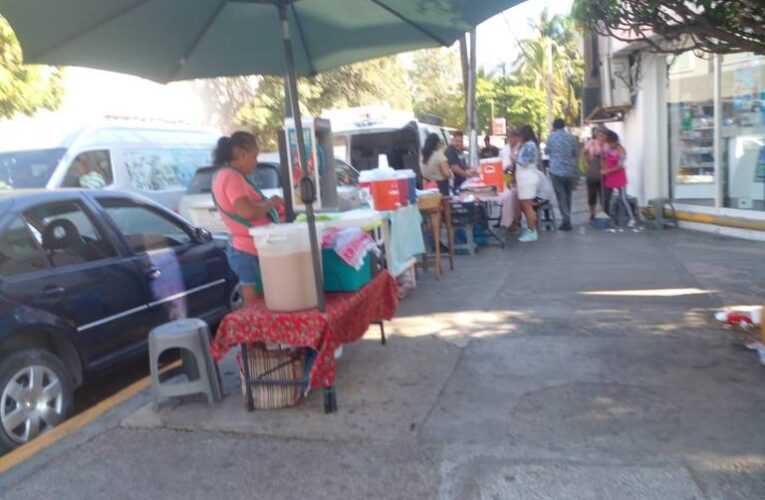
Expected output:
(471, 103)
(465, 63)
(549, 83)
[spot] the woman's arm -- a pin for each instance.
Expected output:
(251, 211)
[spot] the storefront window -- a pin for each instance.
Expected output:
(691, 129)
(743, 131)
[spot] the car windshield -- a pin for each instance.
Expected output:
(266, 176)
(346, 174)
(28, 169)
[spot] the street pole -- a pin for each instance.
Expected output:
(465, 66)
(471, 103)
(548, 86)
(307, 186)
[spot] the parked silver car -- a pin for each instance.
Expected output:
(197, 205)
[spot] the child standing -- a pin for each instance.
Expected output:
(615, 175)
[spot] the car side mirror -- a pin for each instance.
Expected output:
(203, 235)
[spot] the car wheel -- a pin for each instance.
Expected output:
(36, 394)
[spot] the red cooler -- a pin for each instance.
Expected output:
(492, 174)
(403, 188)
(385, 194)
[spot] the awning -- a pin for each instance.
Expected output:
(607, 114)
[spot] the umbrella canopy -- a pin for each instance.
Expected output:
(168, 40)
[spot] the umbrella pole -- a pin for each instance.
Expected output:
(307, 186)
(472, 77)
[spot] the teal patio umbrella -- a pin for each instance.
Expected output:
(170, 40)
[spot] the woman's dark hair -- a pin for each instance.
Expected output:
(431, 144)
(611, 136)
(224, 151)
(527, 134)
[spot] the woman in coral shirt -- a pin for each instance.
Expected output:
(242, 205)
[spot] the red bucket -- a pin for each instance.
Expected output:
(385, 194)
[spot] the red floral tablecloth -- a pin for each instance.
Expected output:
(346, 319)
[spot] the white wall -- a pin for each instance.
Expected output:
(644, 133)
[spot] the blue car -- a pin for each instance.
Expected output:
(84, 277)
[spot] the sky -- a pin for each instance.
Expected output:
(497, 36)
(92, 93)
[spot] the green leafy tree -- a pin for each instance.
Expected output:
(24, 88)
(716, 26)
(378, 81)
(551, 62)
(518, 104)
(436, 83)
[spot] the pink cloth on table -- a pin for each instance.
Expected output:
(510, 207)
(351, 244)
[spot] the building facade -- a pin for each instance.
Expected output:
(694, 129)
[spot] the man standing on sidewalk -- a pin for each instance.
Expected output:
(563, 148)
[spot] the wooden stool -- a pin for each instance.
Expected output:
(436, 217)
(432, 217)
(446, 205)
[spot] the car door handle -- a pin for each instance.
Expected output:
(153, 273)
(53, 292)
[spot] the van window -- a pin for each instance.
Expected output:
(28, 169)
(163, 169)
(19, 252)
(340, 147)
(90, 170)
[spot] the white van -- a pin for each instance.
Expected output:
(362, 134)
(153, 159)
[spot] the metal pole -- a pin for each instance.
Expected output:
(292, 96)
(471, 103)
(549, 83)
(717, 144)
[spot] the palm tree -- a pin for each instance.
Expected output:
(550, 62)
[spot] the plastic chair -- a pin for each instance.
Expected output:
(192, 337)
(548, 223)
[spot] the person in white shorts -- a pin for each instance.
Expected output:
(527, 180)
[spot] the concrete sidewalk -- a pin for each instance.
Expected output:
(508, 378)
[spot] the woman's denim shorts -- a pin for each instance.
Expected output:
(246, 266)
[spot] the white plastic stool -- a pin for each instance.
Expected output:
(192, 337)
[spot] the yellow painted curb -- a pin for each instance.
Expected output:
(77, 422)
(715, 220)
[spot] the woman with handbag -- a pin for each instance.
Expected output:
(242, 205)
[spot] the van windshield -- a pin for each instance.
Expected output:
(28, 169)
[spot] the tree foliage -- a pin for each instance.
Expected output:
(518, 104)
(24, 88)
(436, 86)
(379, 81)
(554, 34)
(519, 93)
(716, 26)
